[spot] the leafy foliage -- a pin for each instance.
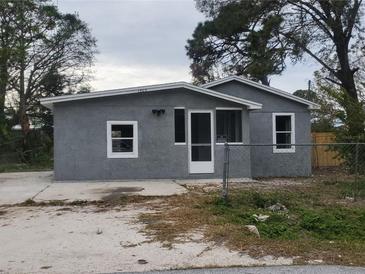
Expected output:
(326, 118)
(49, 54)
(238, 39)
(43, 52)
(256, 38)
(35, 154)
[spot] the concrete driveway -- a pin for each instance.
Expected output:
(17, 187)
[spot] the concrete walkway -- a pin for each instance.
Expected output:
(17, 187)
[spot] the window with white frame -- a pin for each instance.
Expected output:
(229, 125)
(283, 132)
(122, 139)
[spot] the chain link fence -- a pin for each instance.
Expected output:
(294, 160)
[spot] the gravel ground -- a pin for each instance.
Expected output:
(87, 239)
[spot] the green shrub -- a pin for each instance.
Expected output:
(334, 223)
(35, 152)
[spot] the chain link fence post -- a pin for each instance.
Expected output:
(357, 186)
(225, 172)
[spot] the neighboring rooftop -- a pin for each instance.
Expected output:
(272, 90)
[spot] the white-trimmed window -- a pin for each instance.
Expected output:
(283, 132)
(122, 139)
(228, 125)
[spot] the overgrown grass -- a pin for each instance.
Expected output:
(18, 167)
(307, 217)
(321, 222)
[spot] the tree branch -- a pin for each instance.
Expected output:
(333, 81)
(309, 52)
(351, 21)
(316, 19)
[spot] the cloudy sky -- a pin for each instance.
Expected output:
(142, 42)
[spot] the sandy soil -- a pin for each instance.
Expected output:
(85, 239)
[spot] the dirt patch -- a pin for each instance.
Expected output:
(120, 190)
(107, 202)
(65, 209)
(70, 242)
(31, 202)
(321, 222)
(118, 193)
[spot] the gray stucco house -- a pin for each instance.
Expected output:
(177, 130)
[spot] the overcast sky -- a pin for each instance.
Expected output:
(142, 42)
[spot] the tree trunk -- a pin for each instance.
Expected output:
(354, 112)
(355, 115)
(2, 105)
(353, 108)
(24, 121)
(265, 80)
(345, 74)
(22, 112)
(3, 85)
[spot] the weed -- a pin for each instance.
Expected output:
(107, 202)
(317, 215)
(20, 167)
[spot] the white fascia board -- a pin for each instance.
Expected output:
(48, 102)
(278, 92)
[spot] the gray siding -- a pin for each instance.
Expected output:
(81, 140)
(263, 161)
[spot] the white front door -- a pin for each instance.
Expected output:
(201, 150)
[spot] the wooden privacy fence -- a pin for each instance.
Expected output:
(323, 156)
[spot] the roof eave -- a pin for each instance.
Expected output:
(314, 107)
(48, 102)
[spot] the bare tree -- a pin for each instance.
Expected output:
(47, 42)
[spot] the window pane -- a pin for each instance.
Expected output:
(283, 123)
(122, 131)
(284, 139)
(200, 128)
(201, 153)
(122, 145)
(229, 126)
(179, 125)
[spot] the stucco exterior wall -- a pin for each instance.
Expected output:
(264, 162)
(80, 147)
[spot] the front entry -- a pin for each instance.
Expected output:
(201, 153)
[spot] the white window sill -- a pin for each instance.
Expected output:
(122, 155)
(179, 144)
(284, 150)
(233, 143)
